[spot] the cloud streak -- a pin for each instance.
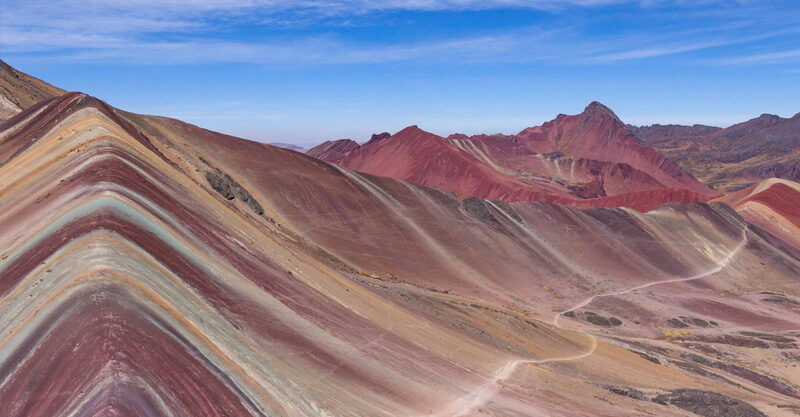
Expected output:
(195, 31)
(780, 57)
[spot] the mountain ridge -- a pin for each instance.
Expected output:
(131, 283)
(737, 156)
(558, 161)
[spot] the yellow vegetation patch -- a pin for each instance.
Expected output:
(552, 291)
(675, 333)
(387, 278)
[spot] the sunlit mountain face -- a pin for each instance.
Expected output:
(379, 250)
(151, 267)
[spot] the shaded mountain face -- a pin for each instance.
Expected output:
(333, 150)
(137, 277)
(18, 91)
(586, 160)
(735, 157)
(336, 150)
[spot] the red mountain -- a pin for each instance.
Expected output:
(586, 160)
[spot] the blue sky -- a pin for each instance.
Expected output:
(305, 71)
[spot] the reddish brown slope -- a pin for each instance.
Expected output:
(131, 283)
(129, 279)
(19, 91)
(421, 157)
(598, 134)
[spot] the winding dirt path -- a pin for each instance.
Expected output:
(469, 402)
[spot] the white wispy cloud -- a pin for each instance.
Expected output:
(722, 36)
(780, 57)
(193, 31)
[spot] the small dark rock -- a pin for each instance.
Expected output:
(602, 321)
(598, 320)
(677, 324)
(694, 321)
(627, 392)
(699, 322)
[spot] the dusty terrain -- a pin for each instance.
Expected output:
(149, 267)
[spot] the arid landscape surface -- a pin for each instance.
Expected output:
(584, 267)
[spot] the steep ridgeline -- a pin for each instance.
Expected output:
(586, 160)
(735, 157)
(139, 278)
(18, 91)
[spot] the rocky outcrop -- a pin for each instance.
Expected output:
(708, 404)
(230, 189)
(220, 185)
(684, 322)
(377, 137)
(627, 392)
(601, 321)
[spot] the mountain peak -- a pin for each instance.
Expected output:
(769, 117)
(596, 108)
(413, 130)
(377, 137)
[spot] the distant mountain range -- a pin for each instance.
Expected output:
(587, 160)
(298, 148)
(734, 157)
